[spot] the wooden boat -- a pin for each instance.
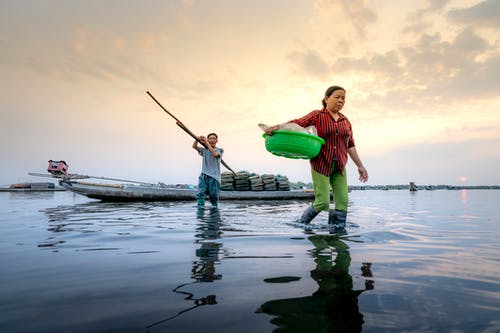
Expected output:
(158, 192)
(129, 190)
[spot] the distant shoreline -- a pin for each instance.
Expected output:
(425, 187)
(302, 185)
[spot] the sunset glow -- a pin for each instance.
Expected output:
(422, 81)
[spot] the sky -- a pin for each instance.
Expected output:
(422, 81)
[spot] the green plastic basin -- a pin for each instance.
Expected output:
(292, 144)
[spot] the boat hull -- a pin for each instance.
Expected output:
(132, 192)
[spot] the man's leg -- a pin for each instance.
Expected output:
(202, 189)
(213, 191)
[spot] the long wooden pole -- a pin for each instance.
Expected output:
(75, 176)
(185, 129)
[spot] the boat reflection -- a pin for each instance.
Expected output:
(334, 306)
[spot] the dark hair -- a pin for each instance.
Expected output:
(212, 134)
(329, 92)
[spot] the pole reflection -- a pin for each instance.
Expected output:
(334, 306)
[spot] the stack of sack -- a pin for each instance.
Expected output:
(269, 182)
(241, 181)
(227, 181)
(246, 181)
(282, 183)
(256, 183)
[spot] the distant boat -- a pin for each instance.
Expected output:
(32, 187)
(157, 192)
(413, 187)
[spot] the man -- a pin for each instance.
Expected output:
(209, 180)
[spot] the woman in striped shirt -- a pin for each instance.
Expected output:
(328, 168)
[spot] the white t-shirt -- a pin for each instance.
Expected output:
(211, 165)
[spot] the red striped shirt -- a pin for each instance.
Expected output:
(338, 139)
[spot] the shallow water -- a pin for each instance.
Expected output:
(424, 261)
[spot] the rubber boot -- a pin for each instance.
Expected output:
(337, 220)
(308, 215)
(201, 202)
(214, 201)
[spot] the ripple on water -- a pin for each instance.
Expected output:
(423, 262)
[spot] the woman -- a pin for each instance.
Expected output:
(328, 168)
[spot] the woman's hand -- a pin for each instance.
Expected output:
(363, 174)
(270, 129)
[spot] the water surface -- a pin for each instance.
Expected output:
(425, 261)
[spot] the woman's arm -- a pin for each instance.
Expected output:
(363, 174)
(308, 120)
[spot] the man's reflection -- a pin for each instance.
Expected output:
(207, 231)
(203, 269)
(334, 306)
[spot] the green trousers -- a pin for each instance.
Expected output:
(322, 183)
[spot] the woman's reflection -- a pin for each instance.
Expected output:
(334, 306)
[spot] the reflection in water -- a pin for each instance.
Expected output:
(203, 270)
(207, 231)
(65, 221)
(413, 200)
(76, 217)
(463, 195)
(76, 226)
(334, 306)
(208, 300)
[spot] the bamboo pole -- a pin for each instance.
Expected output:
(185, 129)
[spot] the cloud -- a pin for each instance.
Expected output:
(436, 5)
(356, 12)
(152, 41)
(422, 19)
(483, 15)
(89, 54)
(433, 73)
(361, 16)
(430, 71)
(382, 66)
(451, 68)
(78, 44)
(309, 62)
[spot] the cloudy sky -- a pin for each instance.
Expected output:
(422, 81)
